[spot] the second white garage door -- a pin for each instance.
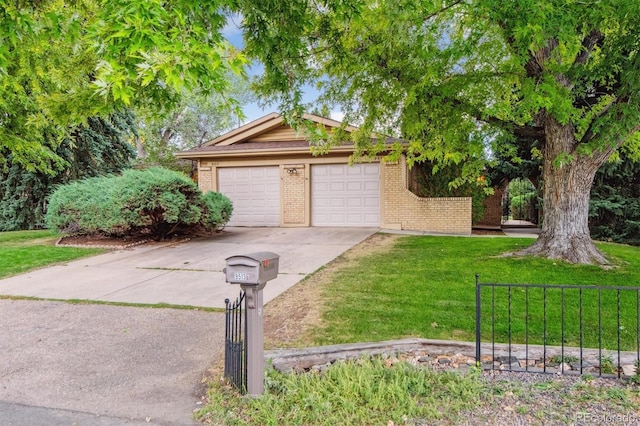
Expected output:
(343, 195)
(255, 193)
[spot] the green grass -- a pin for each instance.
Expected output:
(425, 286)
(368, 391)
(160, 305)
(22, 251)
(359, 392)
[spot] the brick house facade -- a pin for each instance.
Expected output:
(274, 180)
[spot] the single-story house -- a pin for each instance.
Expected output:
(269, 172)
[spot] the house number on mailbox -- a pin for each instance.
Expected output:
(241, 276)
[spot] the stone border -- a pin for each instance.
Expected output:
(104, 246)
(454, 354)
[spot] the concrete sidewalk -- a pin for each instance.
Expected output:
(524, 232)
(187, 273)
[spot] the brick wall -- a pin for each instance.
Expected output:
(493, 209)
(205, 177)
(293, 194)
(404, 210)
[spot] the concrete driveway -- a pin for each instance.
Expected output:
(188, 273)
(91, 364)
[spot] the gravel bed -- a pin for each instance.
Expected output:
(515, 398)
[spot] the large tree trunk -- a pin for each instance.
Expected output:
(567, 186)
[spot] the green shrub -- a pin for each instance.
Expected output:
(160, 200)
(217, 210)
(155, 201)
(85, 207)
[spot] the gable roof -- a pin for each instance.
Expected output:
(266, 135)
(271, 123)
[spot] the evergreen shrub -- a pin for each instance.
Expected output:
(614, 213)
(155, 201)
(218, 210)
(98, 148)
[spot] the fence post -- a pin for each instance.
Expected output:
(478, 334)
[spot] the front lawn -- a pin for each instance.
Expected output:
(424, 286)
(21, 251)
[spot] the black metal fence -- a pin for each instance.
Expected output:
(235, 347)
(557, 328)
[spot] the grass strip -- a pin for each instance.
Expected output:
(107, 303)
(22, 251)
(357, 392)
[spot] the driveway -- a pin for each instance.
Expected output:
(91, 364)
(188, 273)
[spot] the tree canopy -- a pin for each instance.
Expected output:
(194, 120)
(62, 62)
(454, 78)
(458, 79)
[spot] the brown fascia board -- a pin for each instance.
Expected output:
(194, 155)
(256, 152)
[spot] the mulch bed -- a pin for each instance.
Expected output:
(486, 232)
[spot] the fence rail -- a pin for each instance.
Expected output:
(235, 349)
(589, 324)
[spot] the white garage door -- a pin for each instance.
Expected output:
(255, 192)
(344, 195)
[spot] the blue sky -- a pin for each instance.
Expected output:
(233, 33)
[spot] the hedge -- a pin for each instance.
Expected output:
(155, 201)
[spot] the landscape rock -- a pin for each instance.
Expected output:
(507, 359)
(629, 370)
(443, 355)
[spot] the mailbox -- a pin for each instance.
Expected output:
(252, 269)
